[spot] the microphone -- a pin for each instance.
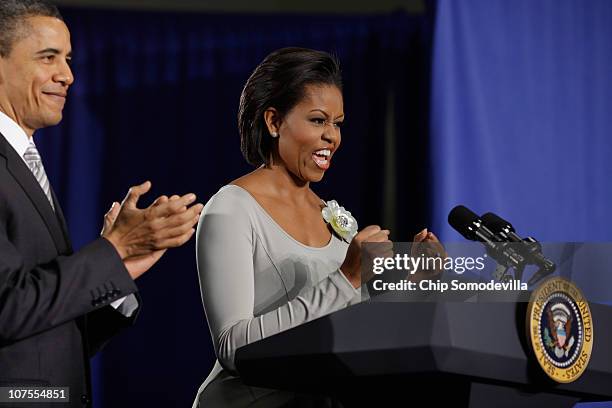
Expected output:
(529, 247)
(500, 226)
(468, 224)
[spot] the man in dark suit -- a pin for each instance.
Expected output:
(57, 307)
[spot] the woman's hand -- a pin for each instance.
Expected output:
(426, 244)
(373, 242)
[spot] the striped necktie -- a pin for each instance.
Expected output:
(33, 161)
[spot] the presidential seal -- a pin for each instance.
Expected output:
(560, 329)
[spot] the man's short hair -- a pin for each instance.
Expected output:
(12, 16)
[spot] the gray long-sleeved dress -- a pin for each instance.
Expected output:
(256, 281)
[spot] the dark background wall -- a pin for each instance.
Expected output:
(262, 6)
(156, 97)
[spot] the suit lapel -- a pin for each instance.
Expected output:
(30, 186)
(62, 221)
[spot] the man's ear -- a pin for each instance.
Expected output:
(272, 118)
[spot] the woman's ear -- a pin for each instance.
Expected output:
(272, 119)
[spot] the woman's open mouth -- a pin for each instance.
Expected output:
(321, 158)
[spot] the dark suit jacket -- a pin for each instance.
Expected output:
(54, 304)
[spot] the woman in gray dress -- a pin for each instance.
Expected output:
(268, 260)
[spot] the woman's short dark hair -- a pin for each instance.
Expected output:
(12, 16)
(279, 82)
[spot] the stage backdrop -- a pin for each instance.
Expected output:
(156, 98)
(520, 120)
(520, 102)
(520, 115)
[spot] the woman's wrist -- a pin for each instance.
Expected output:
(351, 276)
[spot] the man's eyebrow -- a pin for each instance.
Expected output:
(53, 51)
(48, 51)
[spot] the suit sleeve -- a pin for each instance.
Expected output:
(35, 298)
(225, 267)
(106, 322)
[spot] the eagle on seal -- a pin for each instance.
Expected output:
(560, 325)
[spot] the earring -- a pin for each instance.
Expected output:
(274, 134)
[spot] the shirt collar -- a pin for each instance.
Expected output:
(14, 134)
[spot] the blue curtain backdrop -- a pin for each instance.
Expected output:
(520, 115)
(156, 98)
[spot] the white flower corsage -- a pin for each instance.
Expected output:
(341, 221)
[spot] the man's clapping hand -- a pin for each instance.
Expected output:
(141, 236)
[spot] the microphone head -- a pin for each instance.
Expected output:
(496, 223)
(464, 221)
